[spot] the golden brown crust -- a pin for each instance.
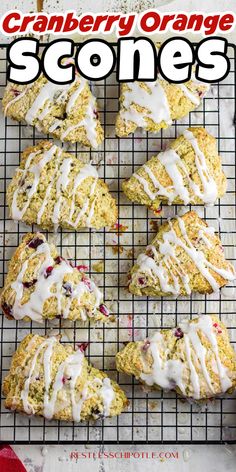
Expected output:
(88, 384)
(179, 106)
(67, 119)
(205, 244)
(135, 191)
(73, 295)
(137, 359)
(100, 207)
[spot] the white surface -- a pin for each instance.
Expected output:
(214, 458)
(184, 459)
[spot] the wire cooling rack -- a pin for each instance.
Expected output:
(156, 417)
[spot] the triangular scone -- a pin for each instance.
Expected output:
(189, 171)
(53, 380)
(68, 112)
(154, 105)
(42, 285)
(53, 188)
(185, 256)
(196, 359)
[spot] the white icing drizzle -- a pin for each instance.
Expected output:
(49, 189)
(61, 177)
(165, 373)
(15, 99)
(88, 122)
(193, 97)
(46, 93)
(199, 82)
(173, 165)
(161, 265)
(86, 171)
(33, 308)
(50, 94)
(56, 124)
(36, 170)
(169, 373)
(61, 184)
(154, 101)
(209, 185)
(72, 100)
(65, 381)
(107, 393)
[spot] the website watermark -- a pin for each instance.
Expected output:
(161, 455)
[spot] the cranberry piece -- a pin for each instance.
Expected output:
(82, 268)
(87, 282)
(65, 379)
(157, 212)
(146, 345)
(58, 259)
(149, 253)
(104, 310)
(179, 333)
(218, 329)
(29, 284)
(82, 346)
(7, 309)
(48, 271)
(15, 92)
(35, 242)
(141, 280)
(95, 114)
(68, 289)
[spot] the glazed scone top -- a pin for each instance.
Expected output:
(196, 359)
(189, 171)
(69, 111)
(53, 380)
(41, 284)
(185, 256)
(149, 104)
(53, 188)
(69, 371)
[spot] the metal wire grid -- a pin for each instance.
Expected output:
(158, 416)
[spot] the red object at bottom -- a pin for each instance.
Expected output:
(9, 462)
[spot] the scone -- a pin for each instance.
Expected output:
(196, 359)
(40, 285)
(185, 256)
(53, 188)
(53, 380)
(68, 112)
(189, 171)
(154, 105)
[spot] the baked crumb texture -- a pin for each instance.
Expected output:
(188, 172)
(195, 359)
(42, 285)
(185, 256)
(53, 380)
(67, 112)
(155, 105)
(53, 188)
